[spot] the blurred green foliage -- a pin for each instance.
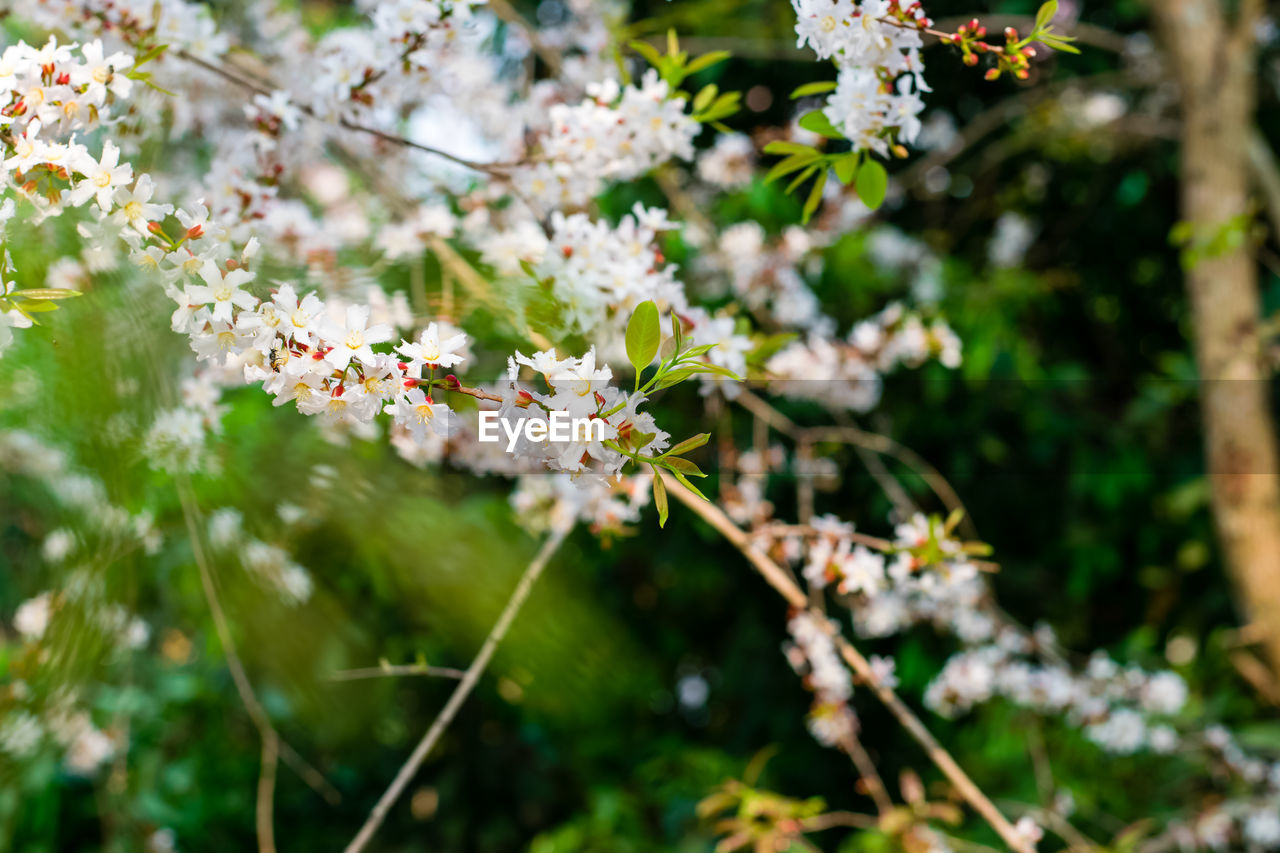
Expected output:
(1071, 432)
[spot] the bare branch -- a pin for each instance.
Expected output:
(460, 693)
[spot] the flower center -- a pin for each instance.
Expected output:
(222, 293)
(425, 414)
(133, 211)
(355, 339)
(827, 24)
(101, 74)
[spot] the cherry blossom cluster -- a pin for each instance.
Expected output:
(876, 45)
(847, 374)
(47, 96)
(813, 655)
(616, 133)
(1113, 704)
(599, 272)
(180, 24)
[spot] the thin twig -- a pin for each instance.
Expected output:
(267, 791)
(777, 578)
(874, 442)
(460, 693)
(817, 823)
(393, 671)
(870, 776)
(266, 732)
(309, 774)
(495, 169)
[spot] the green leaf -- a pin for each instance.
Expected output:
(673, 43)
(695, 352)
(801, 178)
(815, 196)
(640, 440)
(1046, 14)
(46, 293)
(782, 146)
(660, 497)
(705, 97)
(791, 164)
(648, 51)
(151, 53)
(724, 106)
(675, 377)
(706, 61)
(643, 336)
(819, 88)
(873, 182)
(690, 486)
(688, 444)
(846, 167)
(684, 466)
(818, 122)
(35, 307)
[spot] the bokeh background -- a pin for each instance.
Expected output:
(646, 670)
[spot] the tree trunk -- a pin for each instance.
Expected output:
(1215, 63)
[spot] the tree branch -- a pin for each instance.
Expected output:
(460, 693)
(778, 579)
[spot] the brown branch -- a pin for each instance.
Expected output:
(867, 770)
(460, 693)
(794, 596)
(874, 442)
(834, 819)
(266, 792)
(873, 542)
(497, 170)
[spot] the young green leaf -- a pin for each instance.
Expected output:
(692, 443)
(819, 88)
(818, 122)
(648, 51)
(802, 177)
(873, 182)
(643, 337)
(1046, 14)
(782, 146)
(791, 164)
(846, 167)
(705, 97)
(815, 196)
(684, 466)
(660, 497)
(685, 482)
(706, 61)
